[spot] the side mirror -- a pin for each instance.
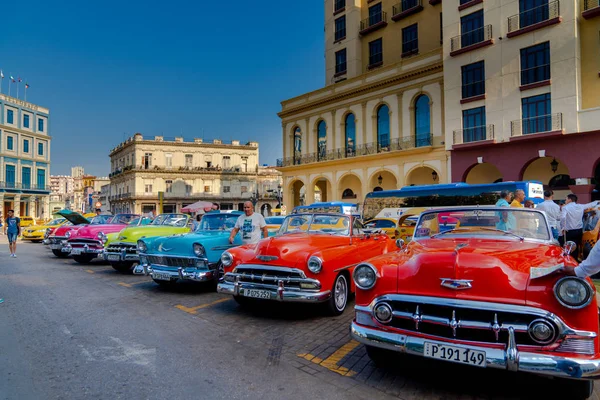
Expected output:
(569, 247)
(400, 243)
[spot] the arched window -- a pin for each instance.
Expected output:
(560, 182)
(321, 140)
(297, 145)
(348, 194)
(422, 122)
(350, 135)
(383, 128)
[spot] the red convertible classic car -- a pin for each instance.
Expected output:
(311, 259)
(486, 293)
(87, 243)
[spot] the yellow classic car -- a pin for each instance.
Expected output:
(26, 221)
(387, 225)
(36, 233)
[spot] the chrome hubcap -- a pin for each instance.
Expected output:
(340, 292)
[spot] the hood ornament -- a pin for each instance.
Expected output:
(460, 246)
(267, 258)
(456, 284)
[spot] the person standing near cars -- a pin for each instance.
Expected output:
(571, 219)
(12, 228)
(251, 224)
(552, 211)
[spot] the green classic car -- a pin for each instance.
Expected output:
(121, 250)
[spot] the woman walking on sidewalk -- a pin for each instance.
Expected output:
(12, 228)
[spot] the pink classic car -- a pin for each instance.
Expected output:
(87, 243)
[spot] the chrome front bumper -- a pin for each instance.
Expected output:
(279, 292)
(57, 246)
(510, 358)
(190, 273)
(85, 249)
(121, 256)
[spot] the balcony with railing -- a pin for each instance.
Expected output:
(471, 40)
(406, 8)
(474, 136)
(534, 77)
(18, 186)
(591, 9)
(534, 18)
(385, 146)
(550, 124)
(374, 22)
(473, 91)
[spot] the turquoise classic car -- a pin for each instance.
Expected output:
(194, 256)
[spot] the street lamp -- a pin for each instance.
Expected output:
(434, 175)
(554, 165)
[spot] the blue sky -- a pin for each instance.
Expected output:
(107, 70)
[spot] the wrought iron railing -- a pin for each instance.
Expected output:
(539, 124)
(406, 5)
(535, 74)
(474, 134)
(340, 68)
(470, 38)
(534, 16)
(23, 186)
(365, 149)
(410, 47)
(373, 20)
(375, 59)
(589, 4)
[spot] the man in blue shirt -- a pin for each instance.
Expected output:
(507, 219)
(12, 228)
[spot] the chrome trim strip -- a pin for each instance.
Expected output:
(511, 358)
(271, 268)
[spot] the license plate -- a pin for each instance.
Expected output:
(76, 251)
(113, 257)
(161, 276)
(455, 354)
(257, 294)
(56, 246)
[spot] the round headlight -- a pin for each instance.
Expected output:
(383, 313)
(226, 259)
(365, 276)
(541, 331)
(315, 264)
(141, 246)
(573, 292)
(68, 234)
(199, 250)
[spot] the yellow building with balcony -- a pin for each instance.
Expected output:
(379, 121)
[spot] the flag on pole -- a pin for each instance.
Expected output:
(12, 79)
(1, 74)
(20, 80)
(27, 86)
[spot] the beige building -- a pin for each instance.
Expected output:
(378, 123)
(62, 192)
(24, 158)
(184, 172)
(522, 82)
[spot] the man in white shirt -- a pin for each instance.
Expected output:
(552, 211)
(588, 267)
(571, 219)
(251, 225)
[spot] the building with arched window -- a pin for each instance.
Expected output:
(377, 124)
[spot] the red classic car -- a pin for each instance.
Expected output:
(486, 293)
(87, 243)
(311, 259)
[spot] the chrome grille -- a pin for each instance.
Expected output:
(574, 345)
(56, 239)
(462, 320)
(259, 274)
(120, 247)
(83, 242)
(172, 261)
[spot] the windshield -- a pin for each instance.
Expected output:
(54, 222)
(316, 223)
(518, 223)
(217, 222)
(274, 220)
(101, 219)
(123, 218)
(170, 220)
(140, 221)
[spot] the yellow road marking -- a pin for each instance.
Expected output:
(194, 310)
(90, 271)
(331, 362)
(130, 284)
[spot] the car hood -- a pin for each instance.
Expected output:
(294, 249)
(91, 231)
(73, 217)
(134, 233)
(182, 244)
(497, 270)
(62, 230)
